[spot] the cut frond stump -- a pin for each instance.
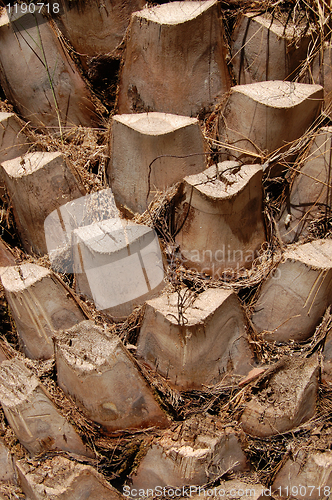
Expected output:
(311, 190)
(40, 306)
(37, 184)
(32, 415)
(140, 138)
(118, 264)
(81, 212)
(7, 468)
(98, 372)
(13, 142)
(59, 478)
(293, 299)
(221, 225)
(309, 474)
(195, 341)
(43, 81)
(95, 28)
(195, 452)
(154, 77)
(319, 71)
(288, 401)
(265, 117)
(264, 48)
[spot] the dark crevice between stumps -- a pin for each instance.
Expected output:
(2, 94)
(103, 74)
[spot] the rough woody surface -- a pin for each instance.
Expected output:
(327, 360)
(3, 356)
